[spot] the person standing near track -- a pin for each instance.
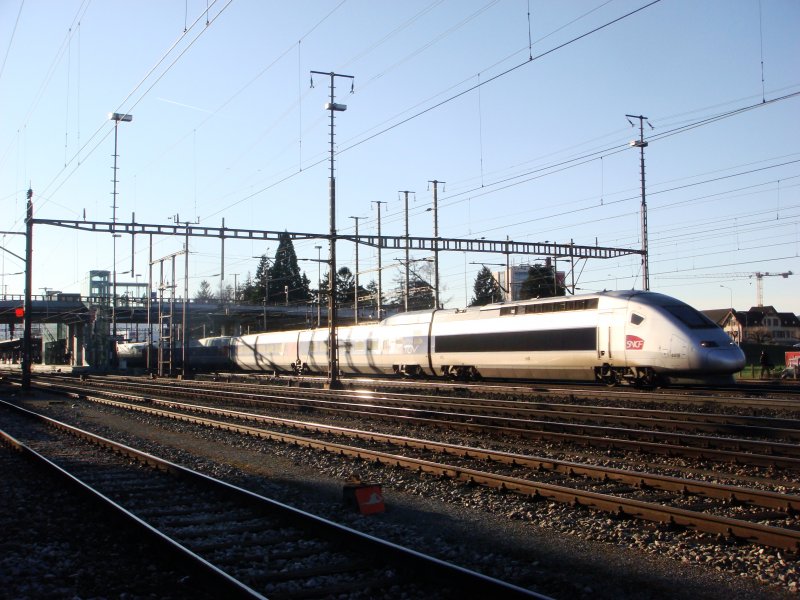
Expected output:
(766, 366)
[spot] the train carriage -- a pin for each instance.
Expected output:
(544, 340)
(361, 350)
(639, 337)
(405, 343)
(275, 351)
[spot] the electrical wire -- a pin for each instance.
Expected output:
(11, 39)
(439, 104)
(47, 188)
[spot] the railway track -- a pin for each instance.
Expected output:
(520, 409)
(599, 427)
(778, 395)
(243, 544)
(746, 514)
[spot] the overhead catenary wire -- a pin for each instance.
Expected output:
(46, 189)
(324, 159)
(487, 178)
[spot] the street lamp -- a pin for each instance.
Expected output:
(125, 118)
(730, 291)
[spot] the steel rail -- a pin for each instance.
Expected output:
(765, 499)
(456, 576)
(673, 394)
(707, 451)
(708, 422)
(775, 450)
(753, 532)
(755, 426)
(215, 577)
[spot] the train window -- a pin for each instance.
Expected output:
(508, 310)
(690, 317)
(636, 319)
(566, 305)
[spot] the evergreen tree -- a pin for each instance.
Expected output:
(247, 290)
(345, 287)
(541, 283)
(284, 273)
(486, 289)
(274, 275)
(204, 293)
(371, 292)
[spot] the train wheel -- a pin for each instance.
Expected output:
(608, 375)
(646, 378)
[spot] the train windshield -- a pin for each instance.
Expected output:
(690, 317)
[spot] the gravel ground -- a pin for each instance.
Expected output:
(553, 548)
(54, 547)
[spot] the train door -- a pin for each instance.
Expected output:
(610, 329)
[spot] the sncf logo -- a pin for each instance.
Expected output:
(633, 343)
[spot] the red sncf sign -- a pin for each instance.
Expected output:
(633, 343)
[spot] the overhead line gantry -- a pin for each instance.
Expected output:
(387, 242)
(436, 244)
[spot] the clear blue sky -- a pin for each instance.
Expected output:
(225, 125)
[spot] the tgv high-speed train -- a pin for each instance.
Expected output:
(638, 337)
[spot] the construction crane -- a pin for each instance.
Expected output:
(760, 286)
(759, 280)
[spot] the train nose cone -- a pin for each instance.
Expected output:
(728, 359)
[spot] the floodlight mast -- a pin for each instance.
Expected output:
(333, 366)
(125, 118)
(642, 144)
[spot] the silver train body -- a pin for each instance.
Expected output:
(638, 337)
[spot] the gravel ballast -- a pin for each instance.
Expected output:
(555, 549)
